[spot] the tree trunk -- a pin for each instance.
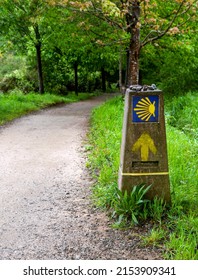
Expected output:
(103, 79)
(39, 60)
(120, 70)
(39, 68)
(133, 71)
(76, 77)
(127, 68)
(134, 47)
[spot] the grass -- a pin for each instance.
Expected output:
(182, 113)
(16, 104)
(183, 163)
(154, 237)
(130, 206)
(176, 226)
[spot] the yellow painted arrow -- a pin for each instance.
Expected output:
(145, 143)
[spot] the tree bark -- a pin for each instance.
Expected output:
(38, 47)
(134, 47)
(76, 77)
(103, 74)
(120, 70)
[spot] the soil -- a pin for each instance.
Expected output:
(45, 206)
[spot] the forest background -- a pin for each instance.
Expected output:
(58, 46)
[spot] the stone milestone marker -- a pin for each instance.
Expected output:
(143, 150)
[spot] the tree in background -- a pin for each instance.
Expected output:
(154, 18)
(78, 41)
(26, 23)
(82, 42)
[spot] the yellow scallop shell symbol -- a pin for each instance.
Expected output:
(145, 109)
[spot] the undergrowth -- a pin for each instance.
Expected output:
(174, 228)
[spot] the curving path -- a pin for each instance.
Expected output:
(45, 210)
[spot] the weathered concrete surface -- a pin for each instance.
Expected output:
(45, 210)
(144, 150)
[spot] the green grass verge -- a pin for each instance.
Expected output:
(175, 228)
(181, 112)
(17, 104)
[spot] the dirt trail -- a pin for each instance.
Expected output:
(45, 210)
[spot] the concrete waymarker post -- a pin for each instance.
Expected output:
(144, 151)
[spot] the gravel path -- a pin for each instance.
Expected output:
(45, 210)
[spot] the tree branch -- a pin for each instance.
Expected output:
(162, 33)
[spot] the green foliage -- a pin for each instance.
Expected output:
(131, 205)
(179, 219)
(15, 75)
(19, 19)
(171, 64)
(93, 40)
(179, 77)
(10, 63)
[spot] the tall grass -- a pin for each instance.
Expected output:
(180, 225)
(183, 165)
(182, 113)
